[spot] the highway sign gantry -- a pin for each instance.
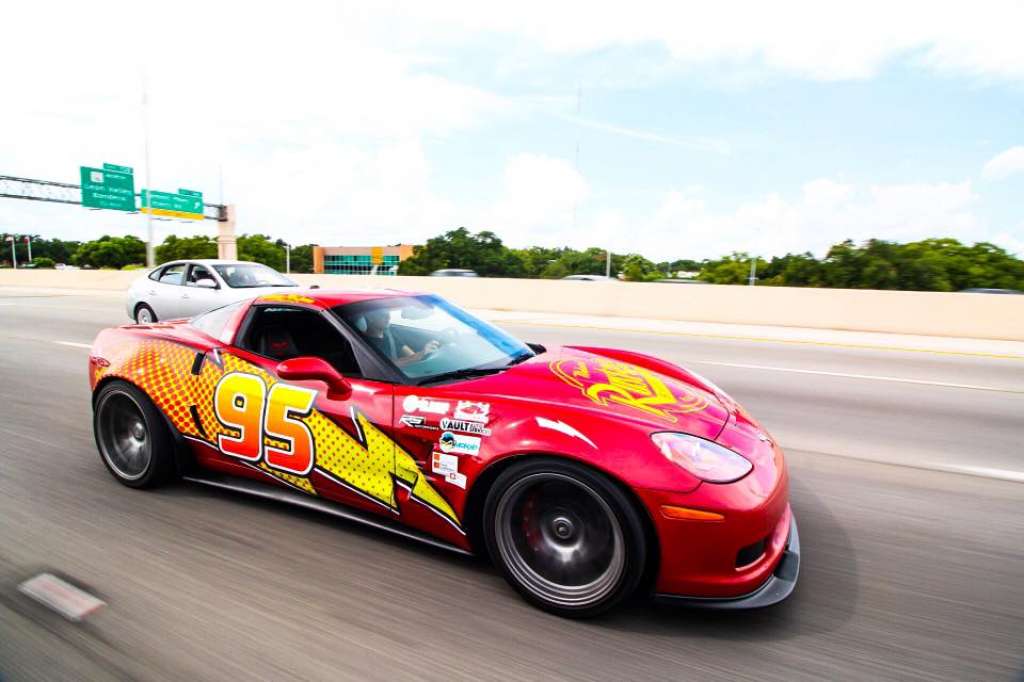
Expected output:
(111, 187)
(187, 204)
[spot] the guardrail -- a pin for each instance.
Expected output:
(978, 316)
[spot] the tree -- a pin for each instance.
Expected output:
(482, 252)
(186, 248)
(302, 258)
(111, 252)
(260, 249)
(733, 269)
(638, 269)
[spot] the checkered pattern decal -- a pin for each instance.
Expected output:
(371, 465)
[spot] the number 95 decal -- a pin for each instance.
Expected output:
(242, 403)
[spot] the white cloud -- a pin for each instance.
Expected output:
(1007, 163)
(538, 197)
(825, 212)
(820, 40)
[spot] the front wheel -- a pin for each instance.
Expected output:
(566, 538)
(134, 442)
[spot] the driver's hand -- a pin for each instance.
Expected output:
(432, 347)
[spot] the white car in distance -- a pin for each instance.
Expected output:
(185, 288)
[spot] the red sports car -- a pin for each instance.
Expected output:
(586, 473)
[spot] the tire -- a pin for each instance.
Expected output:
(134, 441)
(141, 312)
(545, 508)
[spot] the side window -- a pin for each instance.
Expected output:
(173, 274)
(212, 323)
(281, 333)
(196, 273)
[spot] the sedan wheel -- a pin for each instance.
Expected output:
(565, 538)
(144, 315)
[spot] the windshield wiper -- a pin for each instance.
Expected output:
(523, 357)
(461, 374)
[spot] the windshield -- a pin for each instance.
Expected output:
(429, 339)
(251, 275)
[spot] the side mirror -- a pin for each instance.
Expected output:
(206, 283)
(316, 369)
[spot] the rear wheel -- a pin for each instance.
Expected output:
(134, 442)
(565, 537)
(144, 314)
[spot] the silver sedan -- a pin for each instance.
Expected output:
(185, 288)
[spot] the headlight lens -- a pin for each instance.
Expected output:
(702, 458)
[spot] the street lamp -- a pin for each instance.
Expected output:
(14, 253)
(287, 259)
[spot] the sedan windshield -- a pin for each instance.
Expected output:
(429, 339)
(252, 275)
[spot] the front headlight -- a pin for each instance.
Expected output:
(702, 458)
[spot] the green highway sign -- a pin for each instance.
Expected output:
(182, 205)
(111, 187)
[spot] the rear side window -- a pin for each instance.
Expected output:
(173, 274)
(212, 323)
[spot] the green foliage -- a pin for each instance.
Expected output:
(186, 248)
(111, 252)
(733, 269)
(636, 268)
(302, 258)
(134, 266)
(260, 249)
(482, 252)
(43, 262)
(57, 249)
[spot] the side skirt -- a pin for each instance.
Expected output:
(242, 485)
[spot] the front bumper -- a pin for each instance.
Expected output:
(779, 586)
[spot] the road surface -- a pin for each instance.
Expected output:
(910, 519)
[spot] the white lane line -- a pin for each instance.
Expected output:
(983, 472)
(74, 344)
(846, 375)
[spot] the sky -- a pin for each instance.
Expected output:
(648, 127)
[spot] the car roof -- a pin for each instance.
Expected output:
(329, 298)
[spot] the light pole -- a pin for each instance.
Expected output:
(753, 271)
(287, 259)
(28, 243)
(608, 263)
(147, 203)
(14, 253)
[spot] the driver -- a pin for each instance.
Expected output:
(378, 334)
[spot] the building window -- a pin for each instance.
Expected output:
(359, 264)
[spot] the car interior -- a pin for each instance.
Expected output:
(282, 333)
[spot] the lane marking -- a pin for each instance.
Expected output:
(983, 472)
(847, 375)
(74, 344)
(756, 339)
(66, 599)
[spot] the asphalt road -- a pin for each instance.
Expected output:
(910, 570)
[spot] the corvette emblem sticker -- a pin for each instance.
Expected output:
(609, 381)
(473, 411)
(416, 422)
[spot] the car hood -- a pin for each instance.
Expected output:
(601, 385)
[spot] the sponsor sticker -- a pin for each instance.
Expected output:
(465, 426)
(443, 463)
(415, 421)
(473, 411)
(413, 403)
(448, 466)
(458, 443)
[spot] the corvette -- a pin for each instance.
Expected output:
(586, 474)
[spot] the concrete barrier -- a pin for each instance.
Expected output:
(978, 316)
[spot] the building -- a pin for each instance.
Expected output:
(359, 260)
